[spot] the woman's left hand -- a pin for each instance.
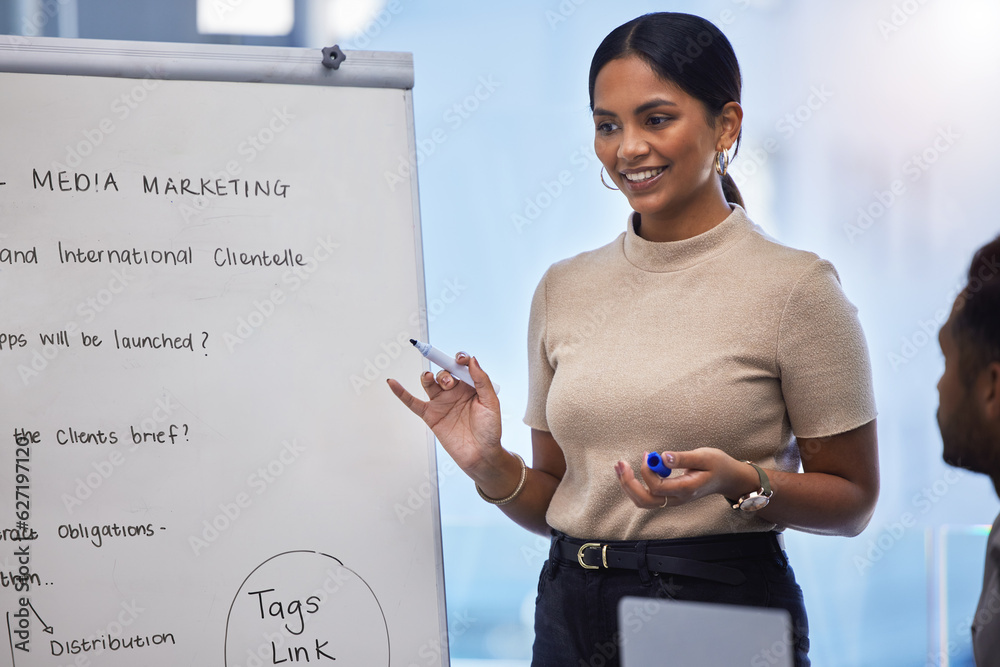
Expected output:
(703, 471)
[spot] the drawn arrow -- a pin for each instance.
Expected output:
(47, 628)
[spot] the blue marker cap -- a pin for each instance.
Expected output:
(655, 463)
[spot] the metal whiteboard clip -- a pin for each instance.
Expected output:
(333, 56)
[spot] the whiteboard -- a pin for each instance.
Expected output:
(208, 258)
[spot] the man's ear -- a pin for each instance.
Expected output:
(989, 392)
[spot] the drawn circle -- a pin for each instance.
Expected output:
(305, 606)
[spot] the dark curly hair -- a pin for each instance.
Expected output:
(976, 323)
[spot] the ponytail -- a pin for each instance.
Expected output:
(732, 192)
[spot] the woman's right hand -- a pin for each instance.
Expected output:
(466, 420)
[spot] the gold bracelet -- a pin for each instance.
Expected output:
(517, 491)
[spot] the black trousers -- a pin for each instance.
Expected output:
(576, 622)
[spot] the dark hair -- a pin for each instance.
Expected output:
(686, 50)
(976, 325)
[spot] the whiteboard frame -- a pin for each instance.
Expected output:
(202, 62)
(248, 64)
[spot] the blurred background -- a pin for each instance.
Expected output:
(867, 139)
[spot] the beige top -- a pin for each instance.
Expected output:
(728, 340)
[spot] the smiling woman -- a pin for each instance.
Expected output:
(659, 146)
(745, 361)
(668, 110)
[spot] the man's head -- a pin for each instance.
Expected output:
(969, 389)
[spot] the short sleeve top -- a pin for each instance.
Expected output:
(728, 339)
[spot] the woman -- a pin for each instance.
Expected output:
(735, 357)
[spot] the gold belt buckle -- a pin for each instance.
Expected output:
(595, 545)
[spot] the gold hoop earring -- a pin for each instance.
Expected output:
(722, 162)
(604, 182)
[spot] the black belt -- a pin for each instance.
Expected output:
(690, 557)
